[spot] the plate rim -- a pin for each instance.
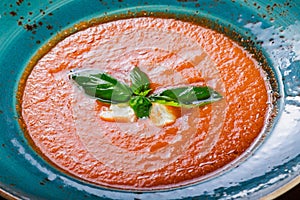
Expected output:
(10, 194)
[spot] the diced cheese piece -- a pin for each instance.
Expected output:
(118, 113)
(161, 115)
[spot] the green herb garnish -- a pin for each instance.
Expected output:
(102, 86)
(140, 83)
(186, 96)
(109, 90)
(141, 106)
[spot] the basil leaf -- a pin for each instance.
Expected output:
(102, 86)
(186, 96)
(140, 82)
(141, 106)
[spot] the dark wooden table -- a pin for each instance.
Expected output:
(293, 194)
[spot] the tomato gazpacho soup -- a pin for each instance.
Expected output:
(144, 103)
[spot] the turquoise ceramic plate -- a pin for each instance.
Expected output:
(26, 25)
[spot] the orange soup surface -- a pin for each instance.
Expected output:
(65, 126)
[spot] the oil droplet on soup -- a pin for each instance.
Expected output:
(65, 126)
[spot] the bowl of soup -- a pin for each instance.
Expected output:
(149, 100)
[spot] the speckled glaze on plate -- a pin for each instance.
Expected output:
(26, 25)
